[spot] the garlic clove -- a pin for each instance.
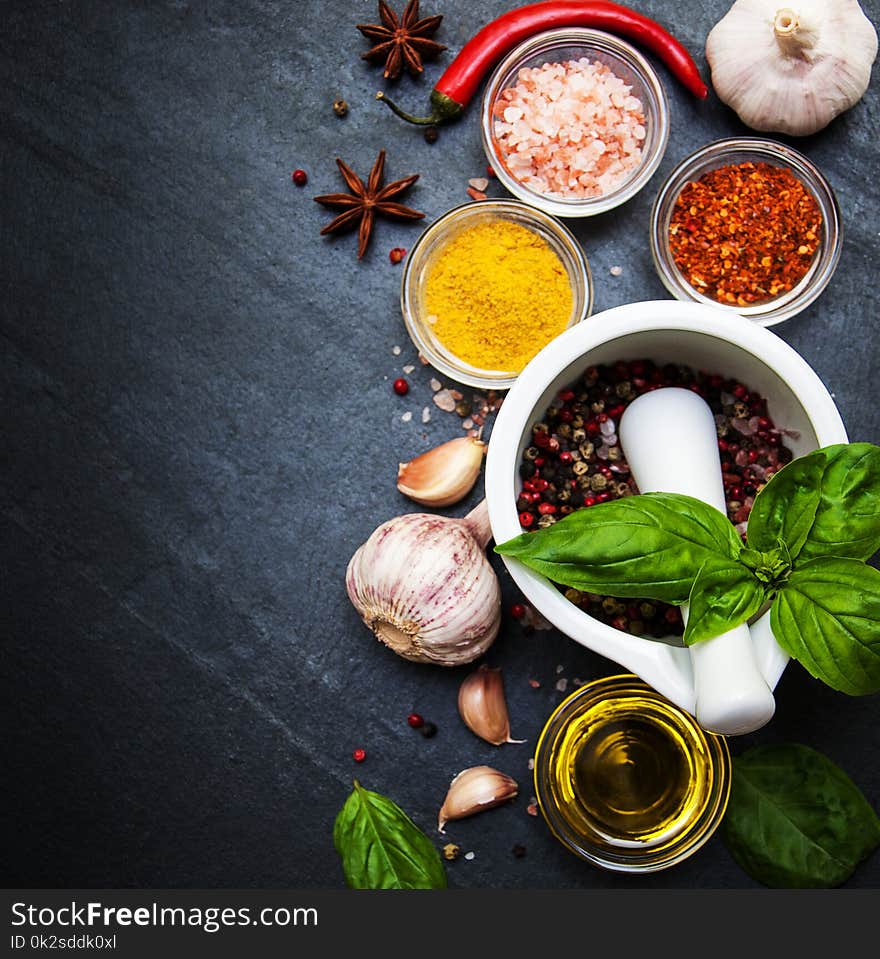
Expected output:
(443, 475)
(483, 707)
(473, 790)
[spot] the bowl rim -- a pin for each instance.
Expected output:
(664, 666)
(609, 42)
(464, 373)
(812, 178)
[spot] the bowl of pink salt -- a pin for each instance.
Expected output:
(574, 121)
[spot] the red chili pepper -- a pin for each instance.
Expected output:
(462, 78)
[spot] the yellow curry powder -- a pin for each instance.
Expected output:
(496, 294)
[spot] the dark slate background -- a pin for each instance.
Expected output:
(199, 430)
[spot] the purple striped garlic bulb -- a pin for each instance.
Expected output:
(424, 586)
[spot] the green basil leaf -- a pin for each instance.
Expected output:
(724, 594)
(382, 848)
(847, 522)
(795, 820)
(786, 507)
(827, 616)
(651, 545)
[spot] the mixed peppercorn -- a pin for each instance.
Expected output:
(574, 461)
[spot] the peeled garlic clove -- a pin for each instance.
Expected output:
(473, 790)
(483, 708)
(443, 475)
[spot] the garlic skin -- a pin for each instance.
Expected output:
(423, 584)
(483, 707)
(443, 475)
(474, 790)
(791, 67)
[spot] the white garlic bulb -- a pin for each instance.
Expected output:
(423, 584)
(791, 67)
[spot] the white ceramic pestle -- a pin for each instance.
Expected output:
(670, 442)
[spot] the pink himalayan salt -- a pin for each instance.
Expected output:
(569, 130)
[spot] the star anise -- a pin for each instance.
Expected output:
(364, 202)
(404, 42)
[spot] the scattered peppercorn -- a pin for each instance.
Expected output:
(340, 107)
(359, 755)
(428, 730)
(401, 387)
(451, 851)
(299, 177)
(397, 254)
(745, 233)
(517, 610)
(519, 851)
(431, 135)
(415, 720)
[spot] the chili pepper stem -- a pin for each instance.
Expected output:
(421, 121)
(444, 108)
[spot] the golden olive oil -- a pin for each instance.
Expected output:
(624, 775)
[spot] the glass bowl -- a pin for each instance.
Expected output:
(433, 240)
(628, 781)
(735, 151)
(572, 43)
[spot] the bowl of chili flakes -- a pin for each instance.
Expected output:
(749, 225)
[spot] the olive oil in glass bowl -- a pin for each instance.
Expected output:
(627, 780)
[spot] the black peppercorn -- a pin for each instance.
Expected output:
(428, 730)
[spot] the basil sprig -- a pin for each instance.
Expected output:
(382, 848)
(810, 530)
(795, 820)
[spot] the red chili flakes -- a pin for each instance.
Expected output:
(745, 233)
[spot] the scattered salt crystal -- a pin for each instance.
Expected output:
(531, 764)
(426, 415)
(469, 856)
(444, 400)
(616, 270)
(407, 416)
(559, 669)
(467, 424)
(435, 385)
(408, 368)
(478, 183)
(606, 427)
(562, 685)
(395, 350)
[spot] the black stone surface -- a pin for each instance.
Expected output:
(199, 430)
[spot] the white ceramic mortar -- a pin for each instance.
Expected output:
(703, 338)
